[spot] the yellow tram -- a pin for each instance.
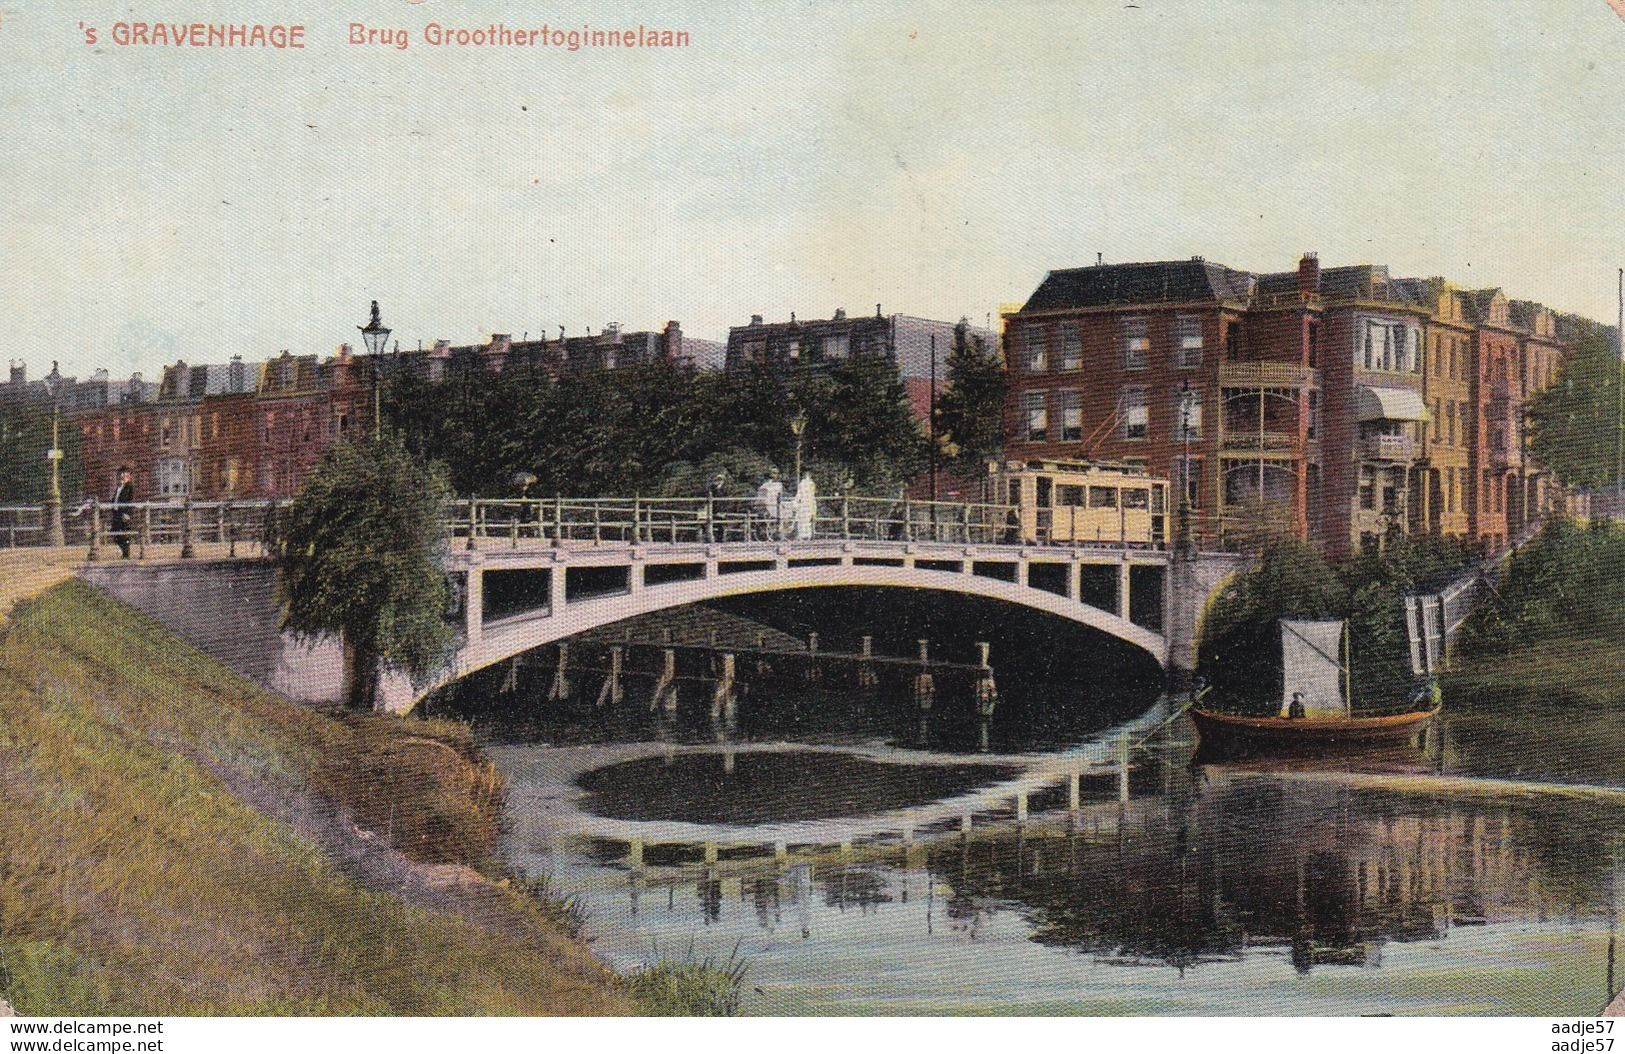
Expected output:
(1083, 503)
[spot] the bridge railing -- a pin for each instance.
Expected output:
(97, 526)
(473, 522)
(728, 519)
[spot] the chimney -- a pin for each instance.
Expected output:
(19, 372)
(1100, 259)
(344, 353)
(877, 311)
(236, 377)
(756, 320)
(674, 340)
(1308, 274)
(442, 349)
(840, 313)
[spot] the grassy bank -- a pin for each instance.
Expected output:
(1577, 669)
(176, 840)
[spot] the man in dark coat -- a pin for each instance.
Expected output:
(123, 495)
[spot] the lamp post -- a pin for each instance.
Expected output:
(53, 500)
(375, 335)
(1187, 404)
(798, 428)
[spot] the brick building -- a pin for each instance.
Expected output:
(241, 431)
(1340, 404)
(906, 340)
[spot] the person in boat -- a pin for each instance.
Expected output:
(1295, 711)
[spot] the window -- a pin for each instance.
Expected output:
(1103, 497)
(1314, 415)
(1368, 493)
(165, 433)
(1071, 346)
(1036, 414)
(1189, 329)
(1136, 498)
(1069, 494)
(1184, 417)
(1449, 490)
(792, 350)
(1387, 347)
(173, 476)
(1367, 347)
(1136, 342)
(1071, 416)
(1438, 420)
(1450, 423)
(1037, 349)
(1014, 496)
(755, 350)
(1131, 408)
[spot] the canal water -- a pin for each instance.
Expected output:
(864, 856)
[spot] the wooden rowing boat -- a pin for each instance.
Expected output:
(1236, 733)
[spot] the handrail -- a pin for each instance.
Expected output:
(553, 521)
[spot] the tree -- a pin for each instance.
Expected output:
(360, 557)
(1574, 424)
(1240, 639)
(970, 409)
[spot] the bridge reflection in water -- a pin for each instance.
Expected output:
(1226, 890)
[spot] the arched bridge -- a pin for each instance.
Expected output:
(533, 572)
(518, 599)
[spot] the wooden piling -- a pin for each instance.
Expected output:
(722, 695)
(612, 693)
(925, 685)
(559, 690)
(1122, 767)
(867, 678)
(665, 693)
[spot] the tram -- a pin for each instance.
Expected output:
(1083, 502)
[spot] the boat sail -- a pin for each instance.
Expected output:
(1313, 668)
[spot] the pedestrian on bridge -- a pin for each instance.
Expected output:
(123, 495)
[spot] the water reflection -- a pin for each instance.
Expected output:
(1400, 882)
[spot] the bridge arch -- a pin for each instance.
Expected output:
(486, 643)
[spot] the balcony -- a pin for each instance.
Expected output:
(1258, 441)
(1388, 448)
(1268, 375)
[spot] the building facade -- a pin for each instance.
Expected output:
(918, 346)
(243, 431)
(1340, 404)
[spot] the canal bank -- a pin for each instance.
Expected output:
(176, 840)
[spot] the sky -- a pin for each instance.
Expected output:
(938, 158)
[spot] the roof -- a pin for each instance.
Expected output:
(1172, 281)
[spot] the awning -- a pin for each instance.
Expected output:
(1391, 404)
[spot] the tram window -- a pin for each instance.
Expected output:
(1043, 492)
(1014, 497)
(1069, 494)
(1136, 498)
(1103, 497)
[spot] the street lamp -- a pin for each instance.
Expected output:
(375, 335)
(53, 502)
(1187, 406)
(798, 428)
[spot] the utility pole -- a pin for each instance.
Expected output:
(932, 413)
